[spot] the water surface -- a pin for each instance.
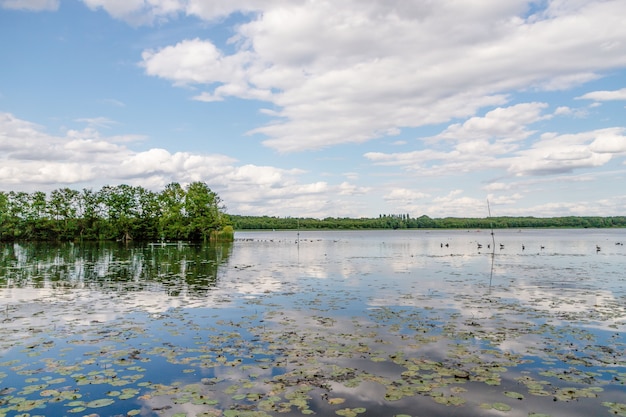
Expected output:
(372, 323)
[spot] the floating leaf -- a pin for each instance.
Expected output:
(103, 402)
(335, 401)
(350, 412)
(79, 409)
(617, 409)
(501, 406)
(512, 394)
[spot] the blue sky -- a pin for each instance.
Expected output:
(318, 108)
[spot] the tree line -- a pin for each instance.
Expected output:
(121, 212)
(196, 213)
(404, 221)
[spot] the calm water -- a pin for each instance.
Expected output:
(376, 323)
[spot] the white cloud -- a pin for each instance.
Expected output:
(30, 5)
(354, 71)
(506, 123)
(578, 113)
(147, 12)
(31, 159)
(190, 62)
(605, 95)
(97, 121)
(501, 140)
(454, 203)
(406, 195)
(87, 146)
(114, 102)
(337, 73)
(138, 12)
(609, 141)
(497, 186)
(553, 154)
(346, 188)
(505, 199)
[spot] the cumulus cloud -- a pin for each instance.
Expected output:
(31, 159)
(478, 144)
(30, 5)
(501, 140)
(506, 123)
(192, 61)
(332, 73)
(406, 195)
(351, 72)
(138, 12)
(554, 154)
(456, 202)
(605, 95)
(611, 141)
(96, 121)
(148, 12)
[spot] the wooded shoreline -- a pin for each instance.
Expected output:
(424, 222)
(155, 229)
(196, 213)
(115, 213)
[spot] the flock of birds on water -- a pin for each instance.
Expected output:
(541, 247)
(446, 245)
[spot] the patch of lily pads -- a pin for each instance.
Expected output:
(304, 353)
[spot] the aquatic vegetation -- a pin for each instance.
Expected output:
(368, 341)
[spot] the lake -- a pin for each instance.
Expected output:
(350, 323)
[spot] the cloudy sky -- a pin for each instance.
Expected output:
(322, 108)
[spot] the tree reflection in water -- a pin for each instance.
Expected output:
(174, 268)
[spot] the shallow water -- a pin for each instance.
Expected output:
(372, 323)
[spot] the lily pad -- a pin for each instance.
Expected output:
(501, 407)
(103, 402)
(512, 394)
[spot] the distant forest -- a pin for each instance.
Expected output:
(195, 213)
(122, 212)
(404, 221)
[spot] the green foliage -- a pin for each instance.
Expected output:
(227, 234)
(424, 222)
(121, 212)
(125, 212)
(202, 211)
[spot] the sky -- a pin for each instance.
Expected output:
(313, 108)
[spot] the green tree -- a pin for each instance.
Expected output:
(120, 207)
(89, 209)
(202, 211)
(120, 212)
(4, 215)
(17, 209)
(172, 200)
(63, 206)
(146, 226)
